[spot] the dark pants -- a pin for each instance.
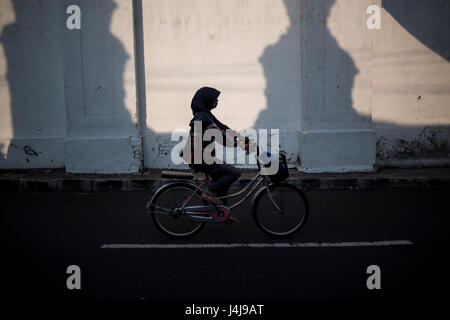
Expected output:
(223, 175)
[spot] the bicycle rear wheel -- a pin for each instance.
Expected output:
(166, 218)
(294, 210)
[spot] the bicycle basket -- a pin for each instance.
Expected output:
(283, 172)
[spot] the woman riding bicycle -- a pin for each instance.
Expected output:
(178, 207)
(223, 175)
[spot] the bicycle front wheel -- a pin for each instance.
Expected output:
(283, 212)
(163, 207)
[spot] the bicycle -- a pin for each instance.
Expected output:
(279, 209)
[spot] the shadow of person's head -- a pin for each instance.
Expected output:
(428, 21)
(65, 82)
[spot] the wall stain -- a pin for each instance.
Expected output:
(432, 143)
(29, 151)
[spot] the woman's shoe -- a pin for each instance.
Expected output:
(231, 220)
(211, 198)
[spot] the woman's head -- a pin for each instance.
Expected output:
(205, 99)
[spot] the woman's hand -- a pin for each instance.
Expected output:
(249, 145)
(247, 148)
(244, 142)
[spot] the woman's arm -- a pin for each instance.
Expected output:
(232, 136)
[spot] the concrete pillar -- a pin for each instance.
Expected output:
(336, 127)
(32, 113)
(100, 88)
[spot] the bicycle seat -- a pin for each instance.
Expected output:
(176, 175)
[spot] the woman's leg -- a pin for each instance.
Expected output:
(223, 176)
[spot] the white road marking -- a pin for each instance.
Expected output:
(257, 245)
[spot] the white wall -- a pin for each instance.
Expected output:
(345, 98)
(32, 108)
(249, 50)
(68, 97)
(411, 84)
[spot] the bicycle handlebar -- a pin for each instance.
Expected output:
(257, 156)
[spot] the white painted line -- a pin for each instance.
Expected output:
(257, 245)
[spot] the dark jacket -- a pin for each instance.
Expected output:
(201, 105)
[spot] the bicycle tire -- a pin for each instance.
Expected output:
(261, 195)
(155, 216)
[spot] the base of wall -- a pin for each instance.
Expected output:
(32, 153)
(414, 163)
(157, 151)
(337, 151)
(103, 155)
(413, 146)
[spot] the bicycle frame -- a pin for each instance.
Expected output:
(256, 181)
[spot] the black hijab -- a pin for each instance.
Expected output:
(203, 100)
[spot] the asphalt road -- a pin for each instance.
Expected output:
(43, 233)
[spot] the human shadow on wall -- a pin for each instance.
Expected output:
(104, 58)
(279, 63)
(429, 22)
(38, 104)
(72, 91)
(282, 79)
(283, 74)
(281, 66)
(31, 69)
